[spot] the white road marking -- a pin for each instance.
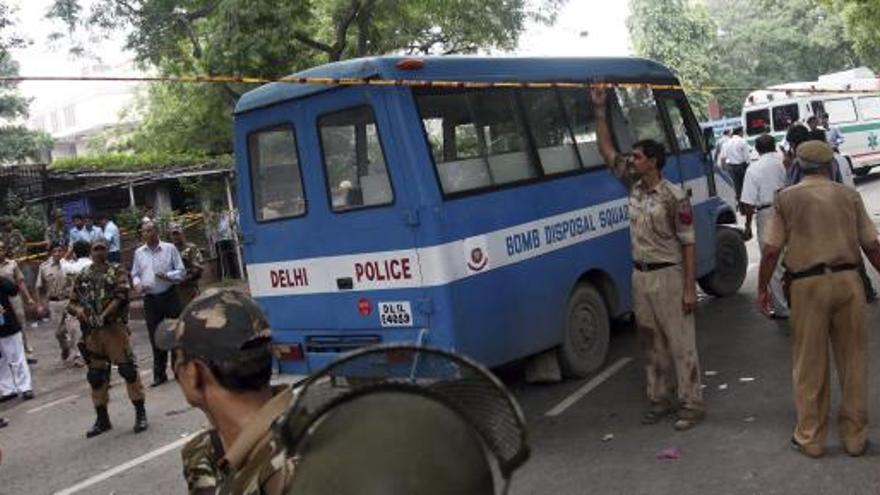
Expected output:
(587, 387)
(124, 467)
(47, 405)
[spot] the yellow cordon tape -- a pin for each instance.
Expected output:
(420, 83)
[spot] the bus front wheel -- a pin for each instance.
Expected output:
(587, 331)
(731, 263)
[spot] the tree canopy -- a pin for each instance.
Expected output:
(862, 20)
(742, 43)
(17, 143)
(273, 38)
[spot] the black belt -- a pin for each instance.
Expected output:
(763, 207)
(743, 164)
(644, 266)
(56, 299)
(821, 270)
(169, 291)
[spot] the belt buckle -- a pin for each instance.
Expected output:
(642, 266)
(826, 269)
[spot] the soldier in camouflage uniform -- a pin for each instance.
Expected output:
(188, 289)
(99, 300)
(56, 232)
(223, 367)
(12, 238)
(664, 290)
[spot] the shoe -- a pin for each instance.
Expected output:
(682, 424)
(858, 452)
(31, 360)
(27, 395)
(8, 397)
(159, 381)
(778, 316)
(812, 453)
(3, 423)
(140, 417)
(102, 422)
(655, 414)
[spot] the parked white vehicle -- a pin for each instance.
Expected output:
(850, 98)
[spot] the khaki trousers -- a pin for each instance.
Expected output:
(106, 345)
(667, 339)
(67, 327)
(829, 309)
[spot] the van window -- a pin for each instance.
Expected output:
(784, 116)
(478, 138)
(757, 122)
(640, 112)
(275, 174)
(552, 136)
(840, 111)
(353, 160)
(685, 135)
(869, 106)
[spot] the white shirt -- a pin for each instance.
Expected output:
(763, 179)
(148, 262)
(111, 233)
(736, 150)
(76, 266)
(846, 175)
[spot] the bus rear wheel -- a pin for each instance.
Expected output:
(731, 263)
(587, 332)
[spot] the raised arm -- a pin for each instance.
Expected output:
(604, 141)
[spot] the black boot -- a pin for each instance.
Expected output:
(102, 423)
(140, 417)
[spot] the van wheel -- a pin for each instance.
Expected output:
(587, 329)
(731, 263)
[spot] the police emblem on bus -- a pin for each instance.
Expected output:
(478, 260)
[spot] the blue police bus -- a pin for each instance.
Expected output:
(473, 217)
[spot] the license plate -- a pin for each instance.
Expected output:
(395, 314)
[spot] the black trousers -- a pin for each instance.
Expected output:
(738, 173)
(158, 307)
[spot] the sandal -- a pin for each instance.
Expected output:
(654, 416)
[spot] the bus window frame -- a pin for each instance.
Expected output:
(773, 108)
(323, 163)
(542, 177)
(769, 121)
(691, 125)
(269, 128)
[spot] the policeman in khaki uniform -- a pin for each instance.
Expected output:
(223, 367)
(820, 227)
(53, 289)
(188, 289)
(664, 290)
(99, 300)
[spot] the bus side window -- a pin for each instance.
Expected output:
(276, 179)
(477, 138)
(641, 116)
(353, 160)
(784, 116)
(685, 135)
(579, 109)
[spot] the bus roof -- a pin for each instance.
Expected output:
(484, 69)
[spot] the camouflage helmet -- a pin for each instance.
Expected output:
(220, 326)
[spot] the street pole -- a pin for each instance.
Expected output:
(231, 206)
(131, 195)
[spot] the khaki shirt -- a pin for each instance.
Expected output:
(254, 464)
(12, 271)
(820, 222)
(52, 281)
(661, 219)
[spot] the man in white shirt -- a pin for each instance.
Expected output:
(761, 182)
(735, 157)
(156, 268)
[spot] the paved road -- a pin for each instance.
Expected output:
(741, 449)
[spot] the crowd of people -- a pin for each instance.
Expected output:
(83, 290)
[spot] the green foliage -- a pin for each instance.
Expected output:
(139, 161)
(129, 219)
(862, 21)
(273, 38)
(747, 44)
(27, 219)
(681, 36)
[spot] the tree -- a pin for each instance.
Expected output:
(862, 20)
(743, 44)
(17, 143)
(681, 36)
(272, 38)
